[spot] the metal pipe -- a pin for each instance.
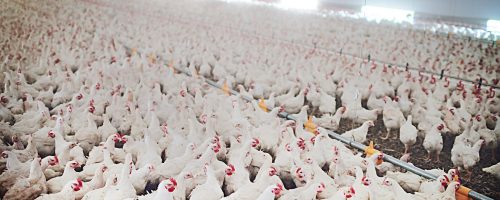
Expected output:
(477, 195)
(387, 158)
(357, 145)
(409, 167)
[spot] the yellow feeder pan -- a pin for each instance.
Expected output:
(133, 51)
(196, 74)
(462, 193)
(225, 88)
(152, 58)
(310, 126)
(370, 150)
(262, 105)
(171, 66)
(498, 42)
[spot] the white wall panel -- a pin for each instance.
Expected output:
(481, 9)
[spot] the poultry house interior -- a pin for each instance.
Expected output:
(105, 99)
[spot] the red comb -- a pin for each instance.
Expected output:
(173, 181)
(447, 179)
(80, 182)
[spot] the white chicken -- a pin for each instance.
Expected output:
(28, 153)
(164, 191)
(99, 193)
(306, 192)
(124, 188)
(410, 182)
(392, 116)
(151, 152)
(68, 192)
(31, 187)
(466, 156)
(397, 190)
(271, 192)
(293, 104)
(433, 141)
(330, 121)
(22, 170)
(56, 184)
(106, 129)
(452, 120)
(449, 193)
(408, 134)
(210, 189)
(88, 137)
(359, 134)
(494, 170)
(97, 182)
(236, 176)
(140, 177)
(173, 166)
(434, 186)
(327, 103)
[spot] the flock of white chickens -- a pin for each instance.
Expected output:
(92, 106)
